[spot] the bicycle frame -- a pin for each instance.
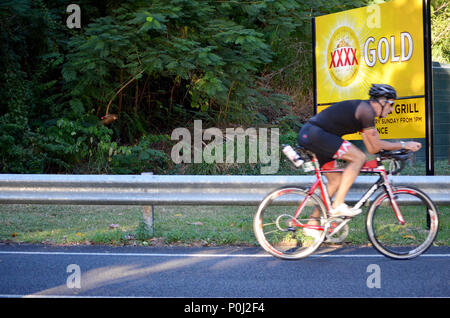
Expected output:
(374, 166)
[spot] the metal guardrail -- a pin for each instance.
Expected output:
(147, 189)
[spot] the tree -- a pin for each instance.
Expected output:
(440, 30)
(156, 64)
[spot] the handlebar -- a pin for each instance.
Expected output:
(398, 157)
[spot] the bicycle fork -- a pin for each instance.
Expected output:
(383, 181)
(388, 189)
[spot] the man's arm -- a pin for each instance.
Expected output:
(374, 144)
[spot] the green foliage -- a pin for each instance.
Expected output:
(183, 57)
(158, 65)
(440, 30)
(140, 158)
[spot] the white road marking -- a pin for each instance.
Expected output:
(68, 296)
(205, 255)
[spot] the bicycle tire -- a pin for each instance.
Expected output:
(271, 223)
(406, 241)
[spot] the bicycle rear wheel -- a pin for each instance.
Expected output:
(274, 227)
(405, 241)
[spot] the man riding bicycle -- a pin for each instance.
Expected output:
(322, 135)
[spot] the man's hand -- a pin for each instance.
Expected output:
(413, 146)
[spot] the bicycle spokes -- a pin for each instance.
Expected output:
(405, 239)
(286, 231)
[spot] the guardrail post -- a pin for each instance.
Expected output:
(149, 219)
(148, 215)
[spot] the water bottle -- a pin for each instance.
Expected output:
(293, 156)
(308, 166)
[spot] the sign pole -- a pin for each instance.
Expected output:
(429, 141)
(313, 25)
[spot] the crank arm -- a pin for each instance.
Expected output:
(339, 227)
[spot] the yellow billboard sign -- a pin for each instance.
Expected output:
(381, 43)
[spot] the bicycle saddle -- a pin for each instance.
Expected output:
(303, 151)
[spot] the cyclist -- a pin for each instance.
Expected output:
(322, 135)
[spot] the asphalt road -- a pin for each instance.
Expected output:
(92, 271)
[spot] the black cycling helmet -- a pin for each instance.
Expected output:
(382, 90)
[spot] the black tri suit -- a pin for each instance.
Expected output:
(322, 134)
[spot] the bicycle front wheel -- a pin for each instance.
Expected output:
(277, 231)
(408, 240)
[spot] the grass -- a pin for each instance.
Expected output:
(119, 225)
(174, 225)
(358, 236)
(66, 224)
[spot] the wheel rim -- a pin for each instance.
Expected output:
(410, 239)
(275, 231)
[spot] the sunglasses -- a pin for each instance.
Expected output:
(390, 102)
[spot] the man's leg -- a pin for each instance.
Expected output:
(334, 181)
(355, 158)
(340, 183)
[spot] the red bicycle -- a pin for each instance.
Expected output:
(402, 222)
